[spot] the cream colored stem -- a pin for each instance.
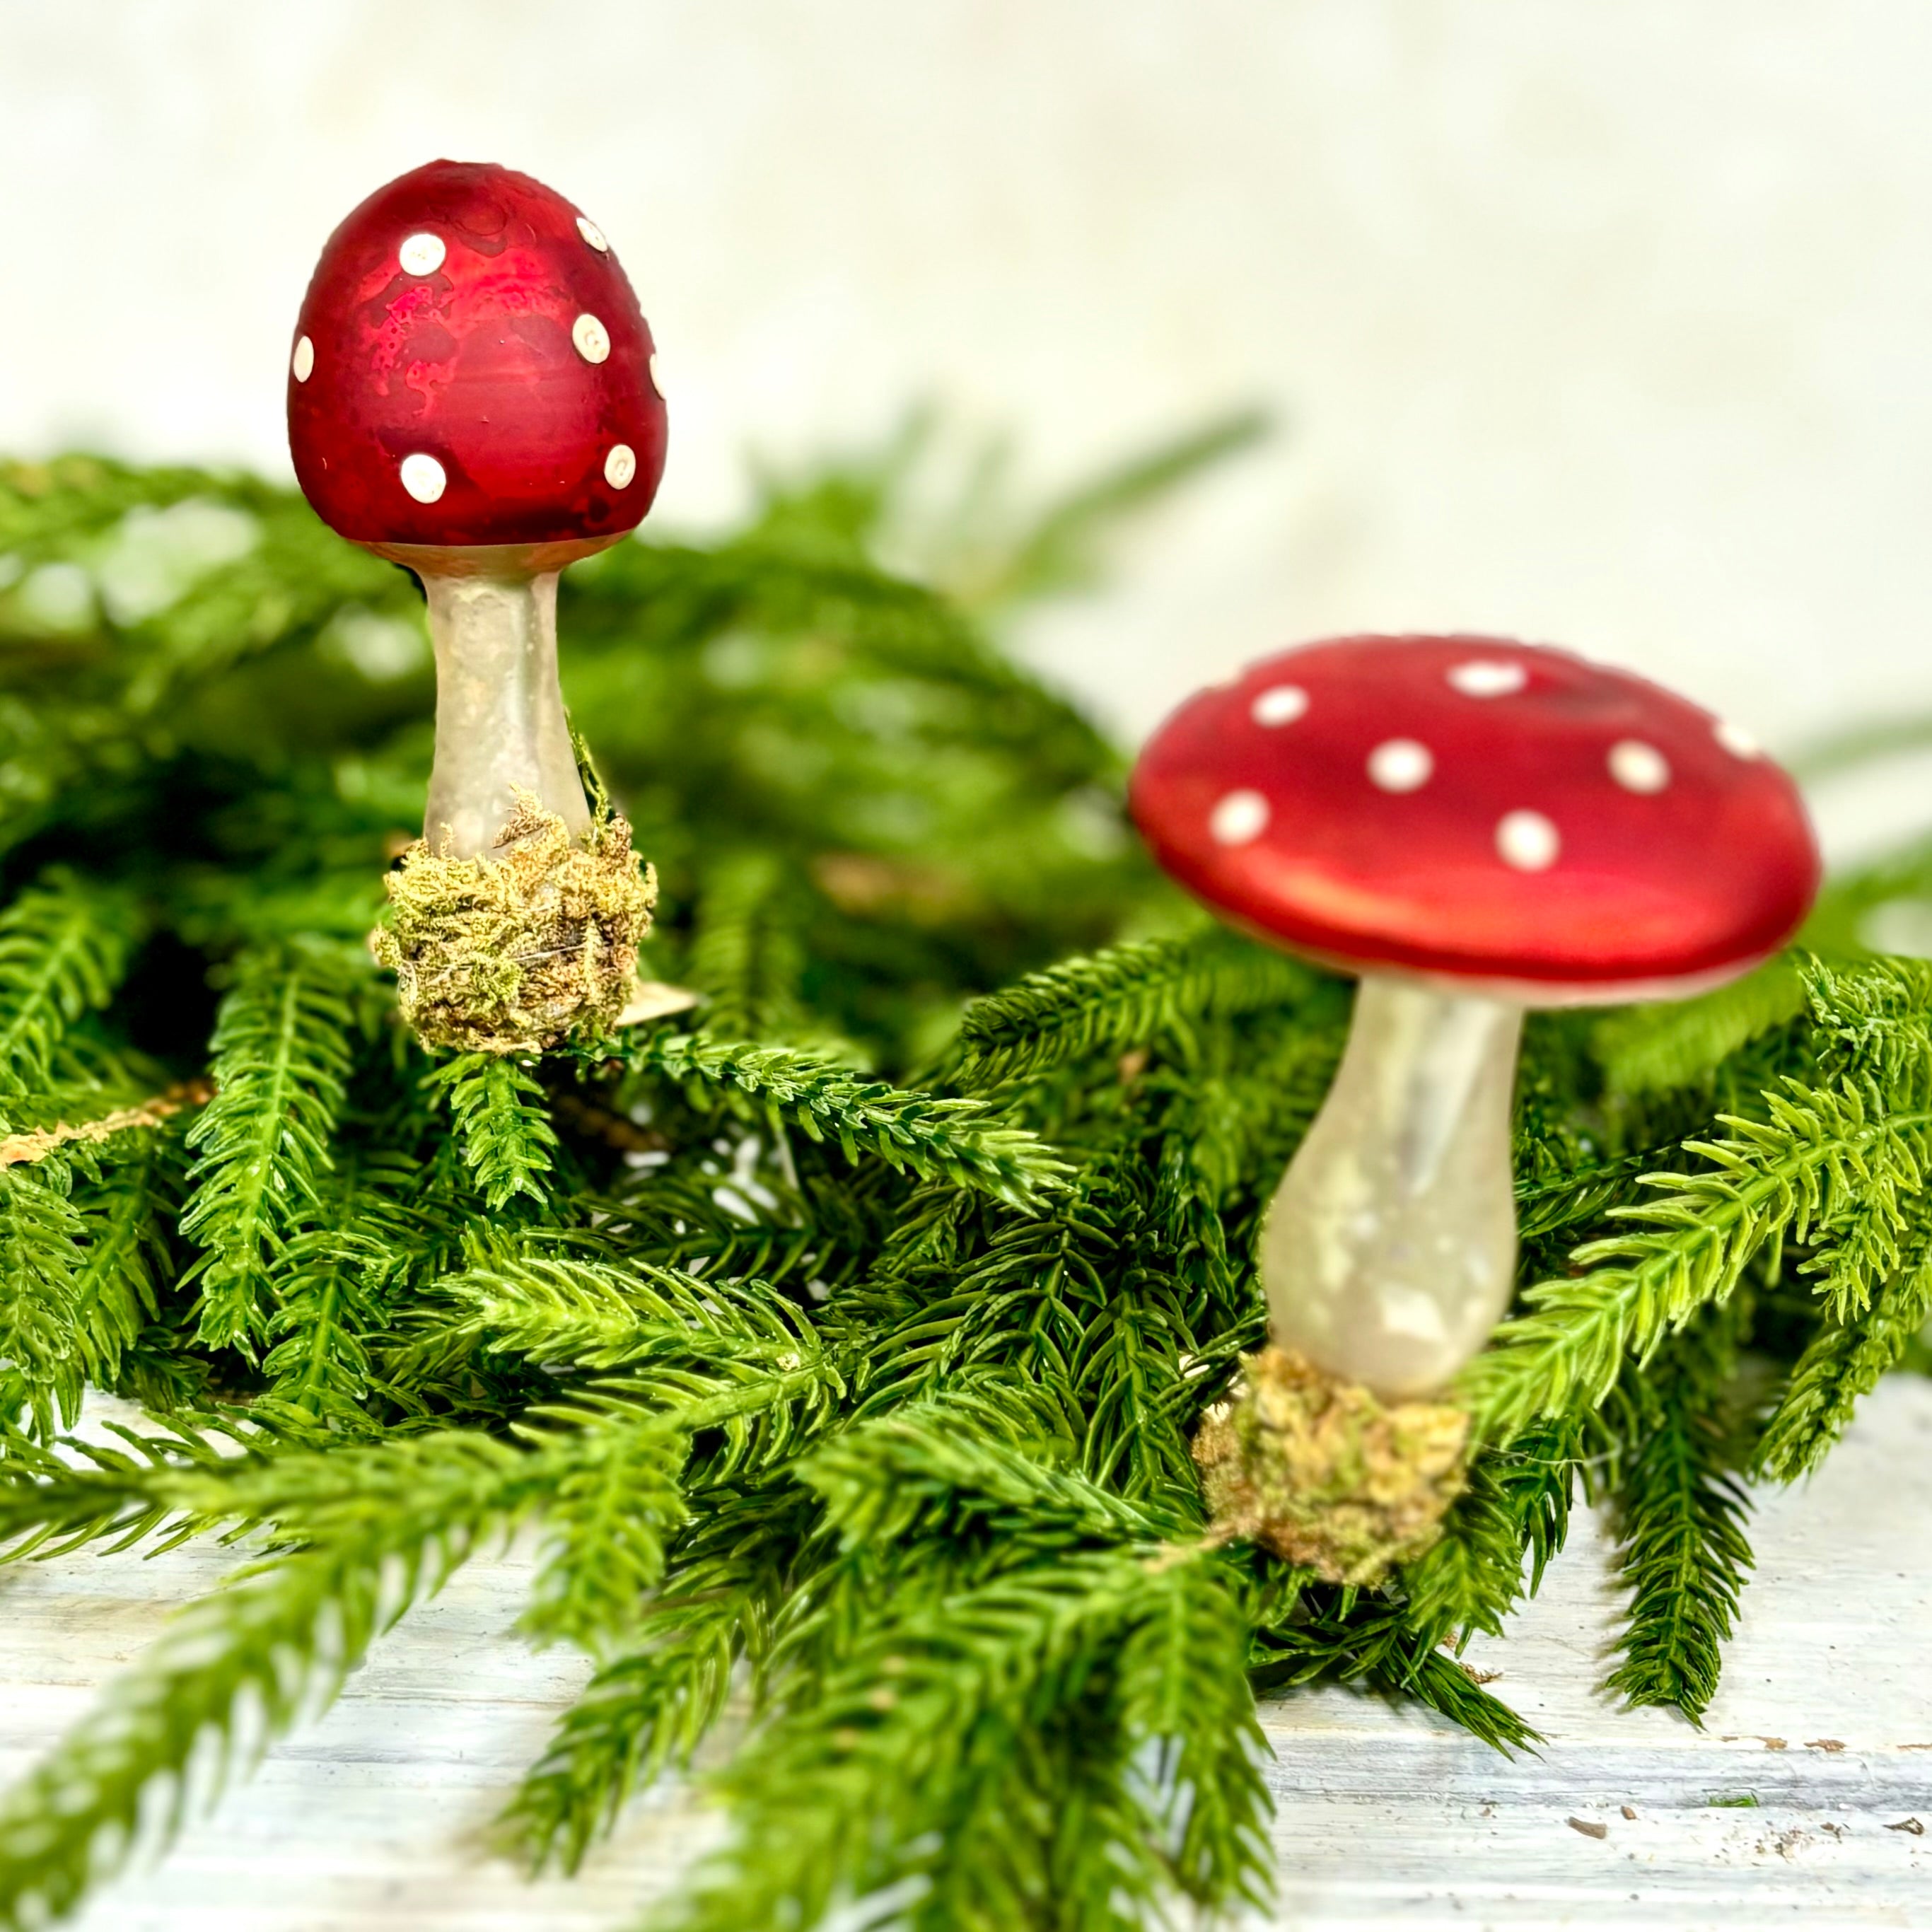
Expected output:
(499, 723)
(1389, 1249)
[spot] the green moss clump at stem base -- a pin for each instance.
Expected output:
(1325, 1475)
(520, 951)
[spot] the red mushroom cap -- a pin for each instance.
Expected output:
(1469, 809)
(471, 368)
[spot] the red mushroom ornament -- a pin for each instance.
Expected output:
(472, 394)
(1474, 827)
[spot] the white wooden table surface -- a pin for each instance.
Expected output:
(370, 1819)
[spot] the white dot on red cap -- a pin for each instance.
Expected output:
(423, 477)
(421, 254)
(620, 465)
(1239, 819)
(301, 364)
(1400, 764)
(1527, 840)
(1279, 704)
(1488, 677)
(592, 338)
(1735, 740)
(657, 386)
(591, 233)
(1637, 766)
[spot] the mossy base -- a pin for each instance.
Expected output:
(517, 952)
(1324, 1473)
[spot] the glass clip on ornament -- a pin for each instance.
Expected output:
(473, 394)
(1473, 827)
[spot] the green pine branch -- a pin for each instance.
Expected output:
(282, 1053)
(1874, 1017)
(1654, 1048)
(649, 1707)
(1124, 997)
(920, 1751)
(333, 1288)
(64, 946)
(503, 1126)
(559, 1308)
(746, 955)
(378, 1527)
(1842, 1363)
(42, 1250)
(1342, 1636)
(127, 1258)
(1680, 1507)
(958, 1140)
(1805, 1167)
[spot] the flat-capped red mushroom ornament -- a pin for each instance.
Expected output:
(472, 393)
(1473, 827)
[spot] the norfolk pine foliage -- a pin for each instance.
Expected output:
(844, 1336)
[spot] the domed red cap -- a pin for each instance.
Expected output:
(471, 368)
(1466, 808)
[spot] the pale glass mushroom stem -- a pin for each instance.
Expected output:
(1390, 1250)
(500, 720)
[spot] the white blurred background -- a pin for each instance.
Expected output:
(1606, 323)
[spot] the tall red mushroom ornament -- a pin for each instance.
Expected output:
(473, 394)
(1473, 827)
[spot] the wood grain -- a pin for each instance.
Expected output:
(371, 1819)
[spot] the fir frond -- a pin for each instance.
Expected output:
(934, 1467)
(1807, 1166)
(1681, 1511)
(959, 1140)
(646, 1709)
(1842, 1362)
(745, 956)
(65, 944)
(1124, 997)
(283, 1637)
(557, 1308)
(1184, 1694)
(1546, 1203)
(332, 1287)
(502, 1121)
(920, 1751)
(117, 1286)
(1517, 1506)
(1652, 1049)
(282, 1052)
(1875, 1017)
(1059, 551)
(1342, 1636)
(43, 1248)
(1467, 1582)
(607, 1521)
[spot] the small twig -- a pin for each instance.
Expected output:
(17, 1149)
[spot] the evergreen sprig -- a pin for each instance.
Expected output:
(1124, 997)
(503, 1125)
(960, 1141)
(281, 1055)
(1681, 1507)
(1810, 1165)
(65, 945)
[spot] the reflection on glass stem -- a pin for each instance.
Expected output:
(1390, 1250)
(499, 718)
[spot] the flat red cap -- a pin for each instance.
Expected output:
(470, 367)
(1469, 809)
